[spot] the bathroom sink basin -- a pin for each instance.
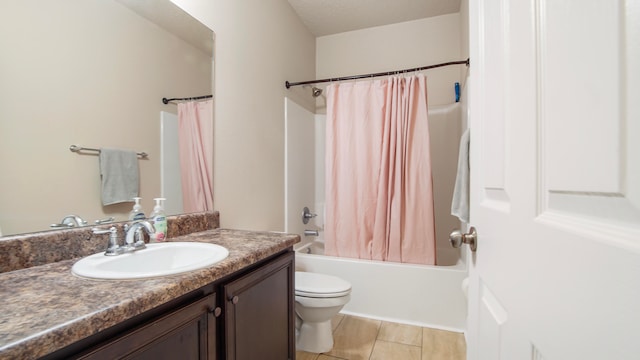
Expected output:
(158, 259)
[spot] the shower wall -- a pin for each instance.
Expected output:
(299, 177)
(400, 46)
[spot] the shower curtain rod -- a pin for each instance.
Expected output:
(288, 84)
(166, 101)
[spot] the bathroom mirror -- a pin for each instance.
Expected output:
(90, 73)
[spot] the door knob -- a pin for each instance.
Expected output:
(457, 238)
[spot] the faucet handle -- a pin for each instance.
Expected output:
(104, 221)
(112, 247)
(306, 215)
(99, 231)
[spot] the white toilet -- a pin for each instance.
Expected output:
(318, 298)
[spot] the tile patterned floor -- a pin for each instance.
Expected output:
(357, 338)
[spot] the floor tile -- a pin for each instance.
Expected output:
(303, 355)
(327, 357)
(461, 347)
(358, 338)
(385, 350)
(399, 333)
(354, 338)
(442, 345)
(335, 321)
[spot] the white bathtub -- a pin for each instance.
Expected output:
(420, 295)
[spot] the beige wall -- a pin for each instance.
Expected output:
(86, 72)
(400, 46)
(395, 47)
(259, 45)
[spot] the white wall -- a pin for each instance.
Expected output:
(400, 46)
(464, 39)
(395, 47)
(259, 45)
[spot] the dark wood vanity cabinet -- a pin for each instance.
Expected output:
(248, 315)
(259, 310)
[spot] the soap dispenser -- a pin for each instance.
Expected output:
(136, 213)
(159, 220)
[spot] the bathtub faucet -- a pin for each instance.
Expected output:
(311, 233)
(306, 215)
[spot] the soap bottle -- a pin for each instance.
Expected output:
(136, 213)
(159, 220)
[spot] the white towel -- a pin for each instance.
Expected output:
(119, 174)
(460, 202)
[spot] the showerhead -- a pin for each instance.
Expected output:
(316, 91)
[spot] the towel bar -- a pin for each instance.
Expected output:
(76, 148)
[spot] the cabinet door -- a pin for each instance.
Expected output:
(259, 310)
(187, 333)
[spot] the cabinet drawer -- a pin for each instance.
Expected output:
(186, 333)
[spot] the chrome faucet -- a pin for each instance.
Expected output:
(73, 220)
(134, 239)
(70, 221)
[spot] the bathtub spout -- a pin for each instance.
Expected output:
(311, 233)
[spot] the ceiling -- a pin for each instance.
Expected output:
(326, 17)
(172, 18)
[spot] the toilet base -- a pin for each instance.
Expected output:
(315, 337)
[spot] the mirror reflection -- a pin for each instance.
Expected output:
(90, 73)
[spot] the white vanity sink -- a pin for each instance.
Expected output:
(157, 259)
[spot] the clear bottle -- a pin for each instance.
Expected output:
(137, 213)
(159, 220)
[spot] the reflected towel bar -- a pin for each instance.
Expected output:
(166, 101)
(76, 148)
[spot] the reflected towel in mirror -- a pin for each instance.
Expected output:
(119, 174)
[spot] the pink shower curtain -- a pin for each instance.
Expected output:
(379, 193)
(195, 140)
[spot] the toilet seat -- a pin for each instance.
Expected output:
(313, 285)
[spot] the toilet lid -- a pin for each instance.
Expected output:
(320, 285)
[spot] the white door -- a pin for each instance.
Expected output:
(555, 187)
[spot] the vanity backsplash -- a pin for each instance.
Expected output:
(34, 249)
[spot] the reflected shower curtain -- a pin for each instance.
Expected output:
(195, 140)
(379, 193)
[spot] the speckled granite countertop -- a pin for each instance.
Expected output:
(26, 250)
(45, 308)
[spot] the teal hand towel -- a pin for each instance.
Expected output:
(119, 174)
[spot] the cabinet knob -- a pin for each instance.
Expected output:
(235, 300)
(217, 311)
